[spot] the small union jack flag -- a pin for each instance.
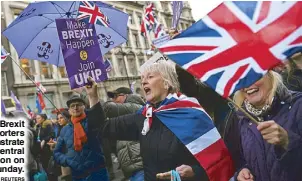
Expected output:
(89, 10)
(149, 20)
(143, 29)
(4, 54)
(149, 14)
(158, 30)
(238, 42)
(30, 113)
(108, 65)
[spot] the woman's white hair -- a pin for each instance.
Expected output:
(167, 72)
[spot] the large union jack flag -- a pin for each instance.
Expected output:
(238, 42)
(89, 10)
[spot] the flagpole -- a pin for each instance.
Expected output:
(243, 111)
(34, 83)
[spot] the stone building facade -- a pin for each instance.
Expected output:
(126, 59)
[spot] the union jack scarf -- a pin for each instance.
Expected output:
(194, 128)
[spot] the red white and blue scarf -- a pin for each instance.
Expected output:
(194, 128)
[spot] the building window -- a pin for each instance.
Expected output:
(141, 61)
(48, 106)
(183, 27)
(168, 22)
(136, 40)
(139, 17)
(4, 88)
(46, 70)
(66, 96)
(130, 17)
(165, 6)
(128, 40)
(28, 67)
(63, 72)
(112, 71)
(121, 67)
(146, 43)
(179, 26)
(132, 65)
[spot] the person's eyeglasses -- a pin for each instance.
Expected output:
(73, 106)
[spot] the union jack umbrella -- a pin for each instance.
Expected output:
(42, 42)
(238, 42)
(91, 11)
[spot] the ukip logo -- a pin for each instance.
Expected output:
(83, 55)
(44, 50)
(105, 40)
(28, 13)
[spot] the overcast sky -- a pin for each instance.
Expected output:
(202, 7)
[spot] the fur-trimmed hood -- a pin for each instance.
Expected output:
(45, 123)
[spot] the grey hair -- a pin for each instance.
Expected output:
(276, 84)
(167, 72)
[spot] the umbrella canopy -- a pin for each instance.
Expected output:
(34, 34)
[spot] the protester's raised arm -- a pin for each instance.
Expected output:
(121, 128)
(92, 92)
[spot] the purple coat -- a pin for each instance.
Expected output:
(266, 161)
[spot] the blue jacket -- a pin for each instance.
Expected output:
(91, 157)
(266, 161)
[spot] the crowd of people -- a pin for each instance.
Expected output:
(78, 145)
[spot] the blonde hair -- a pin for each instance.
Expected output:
(167, 72)
(276, 86)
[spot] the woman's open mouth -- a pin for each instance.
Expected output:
(252, 91)
(147, 90)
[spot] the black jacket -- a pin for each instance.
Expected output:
(128, 152)
(160, 149)
(45, 131)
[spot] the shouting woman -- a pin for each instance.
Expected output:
(155, 126)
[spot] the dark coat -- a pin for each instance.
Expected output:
(128, 152)
(160, 149)
(91, 157)
(266, 161)
(45, 131)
